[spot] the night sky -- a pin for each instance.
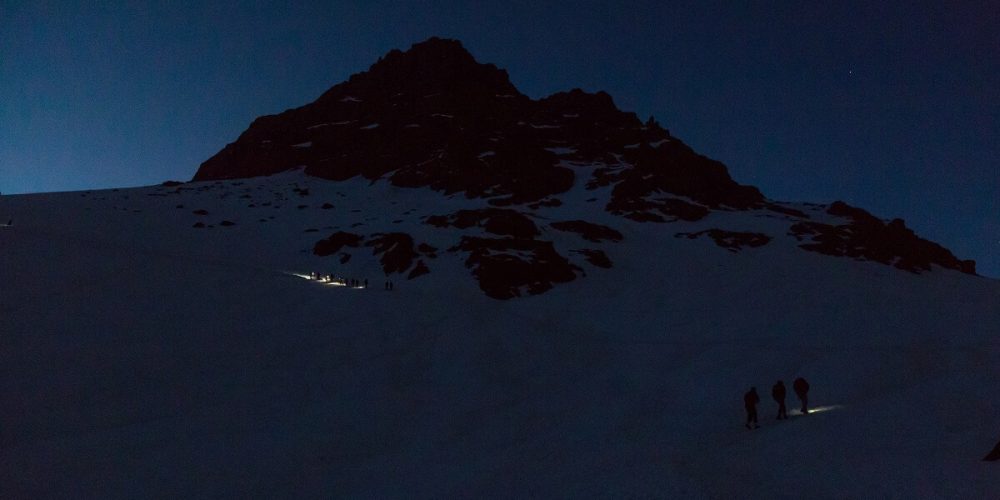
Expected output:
(890, 106)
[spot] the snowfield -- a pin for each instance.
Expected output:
(143, 357)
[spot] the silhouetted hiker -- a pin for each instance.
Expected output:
(392, 286)
(750, 400)
(366, 282)
(778, 393)
(801, 388)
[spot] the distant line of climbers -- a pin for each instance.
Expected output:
(750, 400)
(351, 282)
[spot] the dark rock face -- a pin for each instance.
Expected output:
(504, 266)
(786, 211)
(731, 240)
(595, 257)
(993, 455)
(866, 237)
(335, 242)
(396, 250)
(433, 116)
(499, 221)
(427, 250)
(419, 270)
(588, 230)
(662, 164)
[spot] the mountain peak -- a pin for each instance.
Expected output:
(434, 65)
(434, 117)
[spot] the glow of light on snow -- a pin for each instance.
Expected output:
(302, 145)
(350, 99)
(369, 127)
(821, 409)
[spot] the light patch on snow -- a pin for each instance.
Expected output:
(319, 125)
(659, 143)
(561, 151)
(571, 115)
(486, 154)
(823, 409)
(369, 127)
(545, 126)
(632, 146)
(350, 99)
(301, 145)
(345, 122)
(442, 115)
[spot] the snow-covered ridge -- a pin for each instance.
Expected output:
(201, 348)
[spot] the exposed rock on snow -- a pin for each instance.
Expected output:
(335, 242)
(419, 270)
(866, 237)
(588, 230)
(993, 455)
(731, 240)
(494, 220)
(504, 266)
(595, 257)
(396, 250)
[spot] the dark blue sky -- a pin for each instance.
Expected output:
(890, 106)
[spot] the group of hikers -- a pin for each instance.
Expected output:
(351, 282)
(751, 399)
(329, 278)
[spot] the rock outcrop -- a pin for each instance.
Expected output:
(865, 237)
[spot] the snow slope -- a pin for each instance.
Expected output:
(140, 356)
